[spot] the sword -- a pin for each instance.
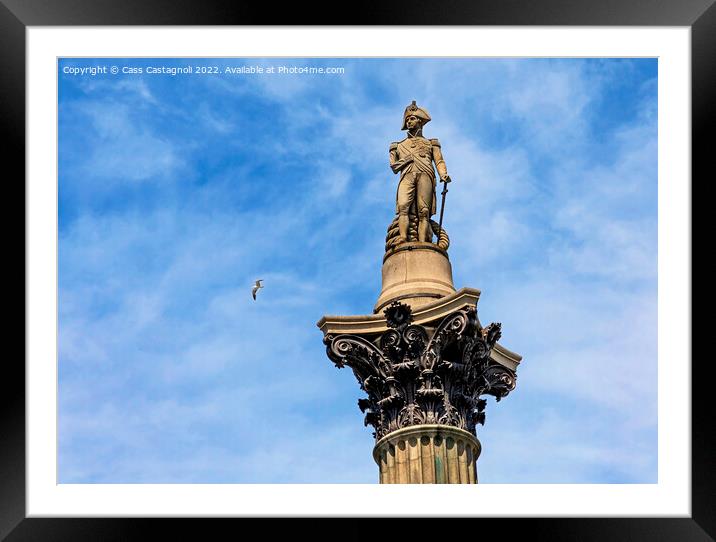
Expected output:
(442, 206)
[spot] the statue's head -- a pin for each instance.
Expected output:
(414, 117)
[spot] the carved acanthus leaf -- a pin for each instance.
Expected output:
(415, 377)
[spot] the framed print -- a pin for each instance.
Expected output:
(165, 168)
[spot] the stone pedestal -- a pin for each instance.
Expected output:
(427, 454)
(415, 274)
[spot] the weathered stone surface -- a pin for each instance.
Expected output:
(427, 454)
(416, 274)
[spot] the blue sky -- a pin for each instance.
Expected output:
(177, 192)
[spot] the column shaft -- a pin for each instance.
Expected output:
(428, 454)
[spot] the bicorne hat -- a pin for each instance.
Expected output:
(419, 112)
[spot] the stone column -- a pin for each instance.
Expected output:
(428, 454)
(424, 361)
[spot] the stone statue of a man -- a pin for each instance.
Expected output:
(413, 157)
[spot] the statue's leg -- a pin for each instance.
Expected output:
(425, 202)
(406, 193)
(403, 225)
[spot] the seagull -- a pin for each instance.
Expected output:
(256, 288)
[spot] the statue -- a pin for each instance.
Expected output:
(423, 359)
(413, 158)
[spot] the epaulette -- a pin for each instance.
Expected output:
(393, 146)
(434, 142)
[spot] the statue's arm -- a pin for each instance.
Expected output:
(395, 163)
(438, 159)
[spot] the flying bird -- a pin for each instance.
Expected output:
(256, 288)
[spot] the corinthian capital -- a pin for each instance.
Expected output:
(422, 374)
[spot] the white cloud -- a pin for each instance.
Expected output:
(553, 445)
(121, 148)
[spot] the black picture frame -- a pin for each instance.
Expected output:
(16, 15)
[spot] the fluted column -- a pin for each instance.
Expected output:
(428, 454)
